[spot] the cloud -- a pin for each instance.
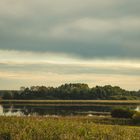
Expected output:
(94, 28)
(14, 61)
(68, 8)
(73, 40)
(85, 37)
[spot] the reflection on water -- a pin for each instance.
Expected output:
(10, 112)
(62, 110)
(138, 108)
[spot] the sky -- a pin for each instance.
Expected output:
(52, 42)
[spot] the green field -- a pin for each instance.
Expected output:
(66, 128)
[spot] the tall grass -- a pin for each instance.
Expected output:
(63, 128)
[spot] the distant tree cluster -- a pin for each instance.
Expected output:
(71, 92)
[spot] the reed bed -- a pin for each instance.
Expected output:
(64, 128)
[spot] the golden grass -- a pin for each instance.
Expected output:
(63, 128)
(73, 102)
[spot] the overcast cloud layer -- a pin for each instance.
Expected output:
(67, 39)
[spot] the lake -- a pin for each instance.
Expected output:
(61, 109)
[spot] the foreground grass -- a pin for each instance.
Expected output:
(64, 128)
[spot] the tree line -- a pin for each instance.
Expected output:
(71, 92)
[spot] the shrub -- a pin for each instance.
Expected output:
(136, 117)
(122, 113)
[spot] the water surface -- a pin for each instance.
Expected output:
(56, 110)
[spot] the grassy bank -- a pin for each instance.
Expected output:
(74, 102)
(66, 128)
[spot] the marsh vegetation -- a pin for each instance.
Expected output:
(67, 128)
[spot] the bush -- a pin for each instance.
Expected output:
(136, 117)
(122, 113)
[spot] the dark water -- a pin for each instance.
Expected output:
(61, 110)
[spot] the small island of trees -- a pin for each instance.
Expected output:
(76, 91)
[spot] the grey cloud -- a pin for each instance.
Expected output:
(69, 8)
(26, 26)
